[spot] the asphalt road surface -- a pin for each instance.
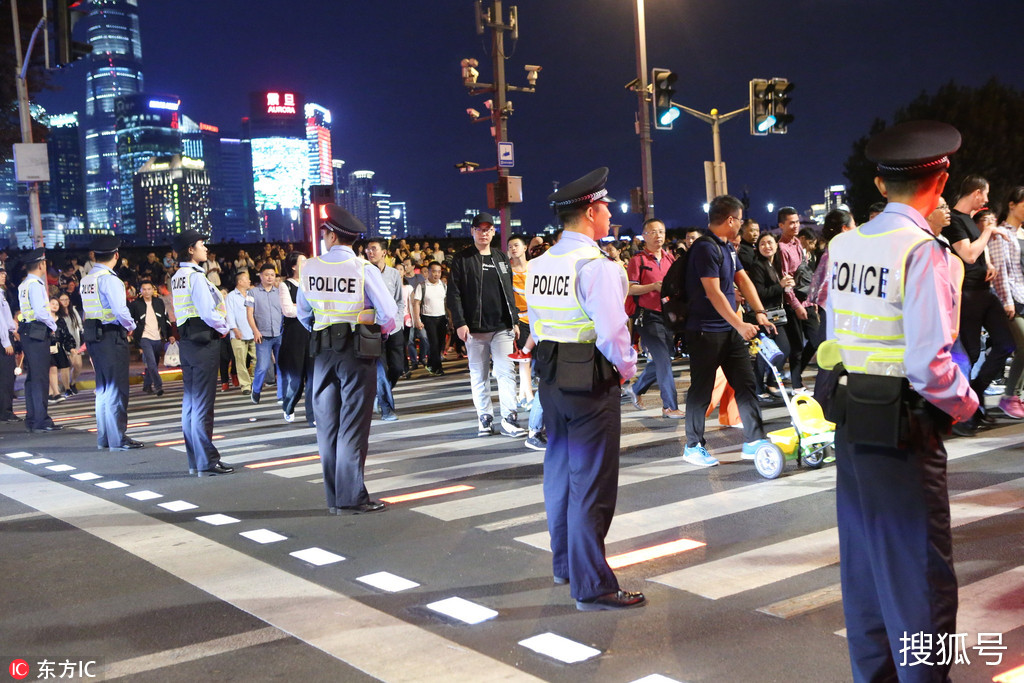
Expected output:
(122, 566)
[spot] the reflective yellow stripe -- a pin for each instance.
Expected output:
(91, 301)
(560, 323)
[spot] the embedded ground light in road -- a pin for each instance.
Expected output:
(427, 494)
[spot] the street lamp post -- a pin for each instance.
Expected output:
(714, 171)
(643, 119)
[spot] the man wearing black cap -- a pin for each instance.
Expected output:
(482, 304)
(36, 329)
(107, 324)
(8, 335)
(202, 323)
(574, 298)
(901, 392)
(345, 304)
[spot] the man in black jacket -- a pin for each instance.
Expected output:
(152, 329)
(483, 311)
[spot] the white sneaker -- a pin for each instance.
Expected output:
(510, 426)
(288, 417)
(485, 427)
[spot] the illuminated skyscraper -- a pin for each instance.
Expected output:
(171, 194)
(147, 126)
(358, 198)
(318, 136)
(115, 69)
(65, 191)
(275, 133)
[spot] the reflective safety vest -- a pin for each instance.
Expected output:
(335, 292)
(28, 314)
(90, 290)
(867, 288)
(551, 293)
(181, 287)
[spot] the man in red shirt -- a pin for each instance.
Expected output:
(645, 271)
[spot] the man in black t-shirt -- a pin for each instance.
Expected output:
(482, 305)
(979, 307)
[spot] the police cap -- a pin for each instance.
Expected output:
(582, 192)
(914, 149)
(34, 256)
(342, 222)
(105, 244)
(482, 218)
(185, 239)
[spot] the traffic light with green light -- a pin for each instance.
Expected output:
(662, 90)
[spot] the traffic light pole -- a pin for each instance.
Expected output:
(500, 116)
(715, 181)
(21, 67)
(643, 120)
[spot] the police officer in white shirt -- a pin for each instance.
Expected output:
(202, 323)
(575, 300)
(345, 304)
(107, 324)
(36, 328)
(892, 311)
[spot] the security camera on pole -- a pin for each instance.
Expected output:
(508, 189)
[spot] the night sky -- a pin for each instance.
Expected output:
(389, 72)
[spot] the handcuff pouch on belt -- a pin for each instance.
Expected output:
(36, 331)
(573, 367)
(875, 409)
(367, 340)
(92, 330)
(196, 330)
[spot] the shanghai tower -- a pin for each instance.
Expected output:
(115, 69)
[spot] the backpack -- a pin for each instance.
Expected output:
(673, 288)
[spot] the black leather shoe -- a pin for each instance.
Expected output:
(982, 417)
(128, 445)
(219, 468)
(965, 429)
(561, 581)
(620, 600)
(48, 428)
(159, 392)
(372, 506)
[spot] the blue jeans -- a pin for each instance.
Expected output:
(536, 415)
(413, 335)
(151, 349)
(270, 345)
(657, 339)
(384, 395)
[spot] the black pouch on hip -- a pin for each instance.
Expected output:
(876, 410)
(369, 342)
(575, 367)
(92, 330)
(38, 331)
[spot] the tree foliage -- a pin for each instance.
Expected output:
(989, 118)
(29, 14)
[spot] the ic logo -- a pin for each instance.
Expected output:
(19, 669)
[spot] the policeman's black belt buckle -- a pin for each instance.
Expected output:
(877, 410)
